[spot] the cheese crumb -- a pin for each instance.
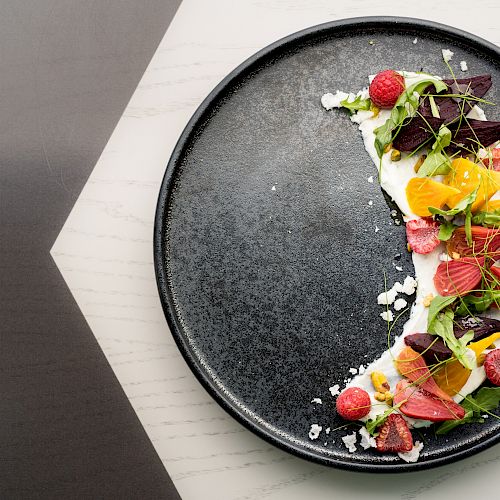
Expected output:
(367, 441)
(353, 371)
(370, 203)
(334, 390)
(409, 285)
(330, 101)
(463, 66)
(447, 54)
(377, 229)
(361, 369)
(399, 268)
(387, 316)
(317, 401)
(387, 298)
(350, 442)
(315, 431)
(400, 304)
(413, 454)
(415, 41)
(370, 179)
(327, 430)
(273, 188)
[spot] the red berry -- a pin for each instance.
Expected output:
(422, 235)
(386, 87)
(492, 366)
(394, 435)
(353, 403)
(494, 161)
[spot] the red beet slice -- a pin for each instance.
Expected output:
(484, 240)
(416, 132)
(459, 276)
(418, 403)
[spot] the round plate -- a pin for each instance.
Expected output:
(269, 255)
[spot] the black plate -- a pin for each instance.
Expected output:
(271, 294)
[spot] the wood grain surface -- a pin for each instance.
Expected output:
(105, 255)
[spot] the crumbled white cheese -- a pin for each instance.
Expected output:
(398, 287)
(370, 179)
(273, 188)
(413, 454)
(387, 298)
(350, 442)
(330, 101)
(327, 430)
(447, 54)
(463, 66)
(370, 203)
(353, 371)
(377, 229)
(387, 316)
(399, 268)
(409, 285)
(444, 257)
(315, 431)
(400, 304)
(415, 41)
(367, 441)
(361, 369)
(317, 401)
(334, 390)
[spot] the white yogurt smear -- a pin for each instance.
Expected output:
(394, 176)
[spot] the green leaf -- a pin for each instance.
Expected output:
(442, 326)
(487, 218)
(405, 107)
(374, 423)
(437, 161)
(437, 305)
(356, 105)
(446, 230)
(472, 304)
(462, 206)
(486, 399)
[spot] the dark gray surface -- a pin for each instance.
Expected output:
(272, 294)
(68, 69)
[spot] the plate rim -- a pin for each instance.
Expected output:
(161, 215)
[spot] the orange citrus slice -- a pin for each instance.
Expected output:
(422, 192)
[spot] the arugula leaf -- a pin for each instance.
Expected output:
(462, 206)
(446, 230)
(486, 399)
(357, 104)
(487, 218)
(442, 326)
(473, 304)
(437, 161)
(405, 107)
(374, 423)
(437, 305)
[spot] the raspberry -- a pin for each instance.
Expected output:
(353, 403)
(394, 435)
(386, 87)
(422, 235)
(492, 366)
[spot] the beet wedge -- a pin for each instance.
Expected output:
(472, 132)
(416, 402)
(433, 349)
(459, 276)
(484, 240)
(416, 131)
(413, 366)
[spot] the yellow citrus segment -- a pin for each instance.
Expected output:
(422, 192)
(466, 176)
(490, 206)
(452, 376)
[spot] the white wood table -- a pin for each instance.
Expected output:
(105, 254)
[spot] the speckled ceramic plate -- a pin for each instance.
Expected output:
(267, 258)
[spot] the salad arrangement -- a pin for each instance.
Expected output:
(436, 156)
